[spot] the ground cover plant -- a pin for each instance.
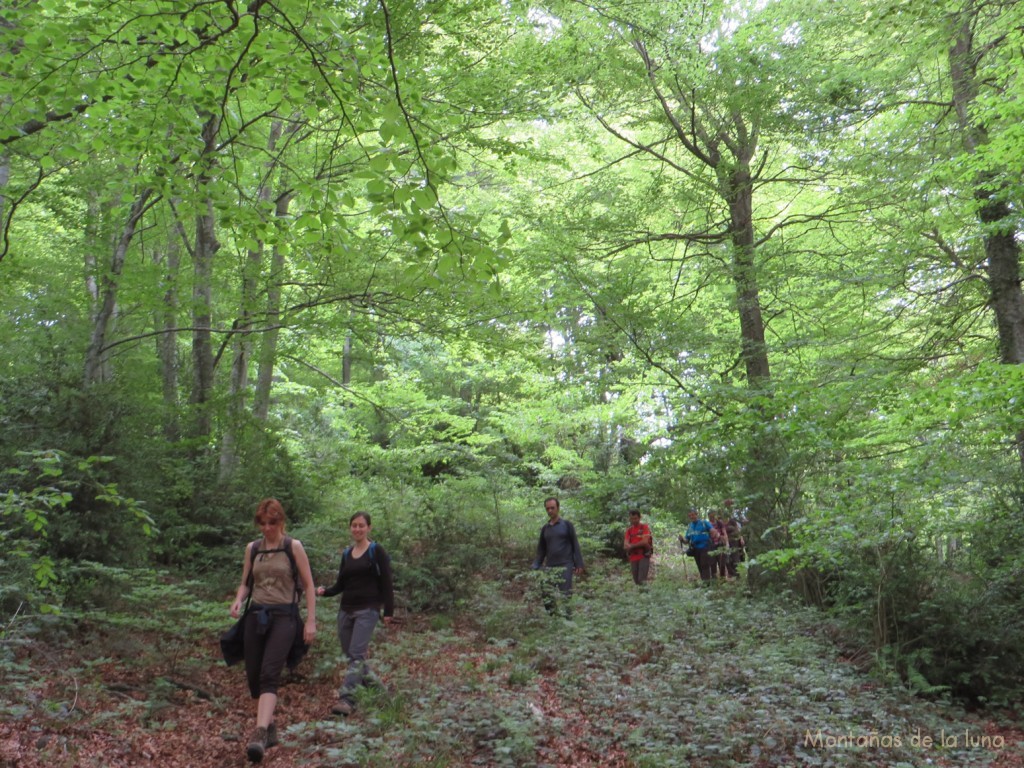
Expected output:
(676, 674)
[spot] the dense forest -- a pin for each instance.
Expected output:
(440, 260)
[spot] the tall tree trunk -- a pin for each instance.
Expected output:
(202, 297)
(268, 348)
(346, 360)
(242, 341)
(106, 287)
(5, 179)
(759, 476)
(5, 159)
(167, 341)
(94, 238)
(1004, 274)
(202, 321)
(238, 381)
(753, 350)
(997, 219)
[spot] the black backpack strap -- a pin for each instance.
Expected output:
(573, 540)
(295, 568)
(254, 548)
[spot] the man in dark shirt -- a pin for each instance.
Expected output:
(558, 552)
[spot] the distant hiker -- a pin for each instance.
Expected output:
(733, 529)
(275, 569)
(718, 552)
(366, 586)
(698, 539)
(558, 553)
(639, 547)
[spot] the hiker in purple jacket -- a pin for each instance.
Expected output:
(718, 552)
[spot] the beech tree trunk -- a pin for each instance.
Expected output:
(759, 476)
(268, 348)
(202, 321)
(242, 341)
(725, 141)
(998, 224)
(106, 287)
(5, 179)
(202, 299)
(753, 350)
(167, 342)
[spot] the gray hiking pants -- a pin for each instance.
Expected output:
(355, 628)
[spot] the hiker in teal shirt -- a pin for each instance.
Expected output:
(698, 539)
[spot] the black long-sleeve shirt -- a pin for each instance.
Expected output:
(558, 545)
(359, 584)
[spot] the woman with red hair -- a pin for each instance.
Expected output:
(275, 570)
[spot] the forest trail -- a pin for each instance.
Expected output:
(675, 675)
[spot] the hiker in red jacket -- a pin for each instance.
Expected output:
(639, 547)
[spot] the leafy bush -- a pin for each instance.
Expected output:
(927, 587)
(59, 509)
(443, 536)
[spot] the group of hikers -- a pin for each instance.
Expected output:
(276, 574)
(716, 545)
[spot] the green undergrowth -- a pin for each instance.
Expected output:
(675, 674)
(672, 675)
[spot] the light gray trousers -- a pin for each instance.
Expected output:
(355, 628)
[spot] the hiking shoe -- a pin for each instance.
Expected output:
(257, 745)
(343, 708)
(271, 735)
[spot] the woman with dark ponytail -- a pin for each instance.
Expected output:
(366, 587)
